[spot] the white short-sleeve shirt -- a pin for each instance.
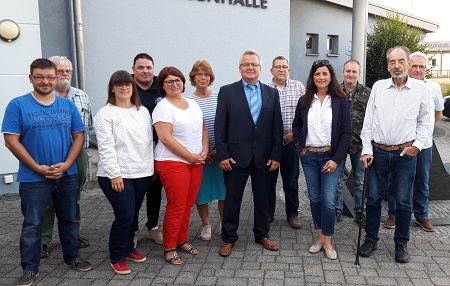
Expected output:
(187, 128)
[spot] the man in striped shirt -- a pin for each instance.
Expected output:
(83, 104)
(290, 92)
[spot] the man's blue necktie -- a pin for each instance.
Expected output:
(253, 102)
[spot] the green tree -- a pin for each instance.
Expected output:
(387, 33)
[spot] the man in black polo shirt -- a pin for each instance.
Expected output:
(144, 75)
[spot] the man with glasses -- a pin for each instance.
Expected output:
(417, 69)
(290, 92)
(46, 134)
(249, 142)
(83, 104)
(358, 95)
(395, 130)
(144, 76)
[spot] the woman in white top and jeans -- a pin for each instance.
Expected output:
(125, 145)
(179, 157)
(322, 131)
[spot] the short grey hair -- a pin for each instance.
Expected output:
(252, 53)
(420, 55)
(60, 59)
(389, 51)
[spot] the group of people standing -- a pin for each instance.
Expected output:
(204, 146)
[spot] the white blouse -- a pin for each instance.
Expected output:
(125, 142)
(320, 117)
(187, 128)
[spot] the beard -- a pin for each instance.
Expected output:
(43, 90)
(63, 84)
(399, 76)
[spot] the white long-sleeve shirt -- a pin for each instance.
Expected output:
(436, 104)
(125, 142)
(396, 116)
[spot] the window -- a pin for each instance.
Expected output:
(332, 45)
(433, 62)
(312, 44)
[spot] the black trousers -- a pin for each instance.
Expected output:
(153, 204)
(235, 181)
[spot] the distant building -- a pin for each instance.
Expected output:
(177, 33)
(440, 54)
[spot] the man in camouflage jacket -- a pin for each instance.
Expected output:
(358, 96)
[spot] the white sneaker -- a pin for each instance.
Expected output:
(156, 235)
(135, 238)
(206, 233)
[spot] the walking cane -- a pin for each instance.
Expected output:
(361, 216)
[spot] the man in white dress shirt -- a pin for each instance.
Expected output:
(395, 130)
(421, 191)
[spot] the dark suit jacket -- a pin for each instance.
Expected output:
(341, 127)
(238, 137)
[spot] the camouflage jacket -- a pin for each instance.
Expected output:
(358, 109)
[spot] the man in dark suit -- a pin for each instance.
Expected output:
(249, 141)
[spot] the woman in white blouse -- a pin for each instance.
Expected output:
(179, 157)
(322, 130)
(125, 146)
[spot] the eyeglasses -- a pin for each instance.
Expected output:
(202, 75)
(414, 67)
(41, 78)
(246, 65)
(171, 82)
(64, 71)
(281, 67)
(323, 62)
(123, 84)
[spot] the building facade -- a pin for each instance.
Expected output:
(175, 33)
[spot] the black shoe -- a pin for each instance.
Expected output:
(79, 264)
(367, 248)
(358, 216)
(271, 219)
(82, 242)
(339, 216)
(401, 253)
(45, 251)
(27, 278)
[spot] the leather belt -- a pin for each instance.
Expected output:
(392, 147)
(318, 149)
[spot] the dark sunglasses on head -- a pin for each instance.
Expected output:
(323, 62)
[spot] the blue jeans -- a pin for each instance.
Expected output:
(126, 206)
(402, 169)
(289, 168)
(358, 183)
(321, 189)
(34, 199)
(421, 190)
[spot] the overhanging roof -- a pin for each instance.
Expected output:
(376, 9)
(439, 46)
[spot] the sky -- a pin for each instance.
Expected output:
(434, 10)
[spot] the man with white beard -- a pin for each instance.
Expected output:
(83, 104)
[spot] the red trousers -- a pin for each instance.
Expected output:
(181, 182)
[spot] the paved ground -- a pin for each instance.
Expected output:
(249, 264)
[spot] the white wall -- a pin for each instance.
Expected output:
(318, 17)
(177, 33)
(15, 60)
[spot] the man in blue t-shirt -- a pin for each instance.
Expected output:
(46, 134)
